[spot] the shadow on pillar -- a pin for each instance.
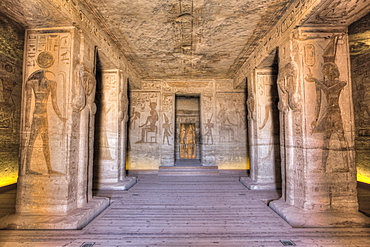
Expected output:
(264, 133)
(111, 134)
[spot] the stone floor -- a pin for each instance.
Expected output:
(186, 211)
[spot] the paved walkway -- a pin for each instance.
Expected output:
(189, 211)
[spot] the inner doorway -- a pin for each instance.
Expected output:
(188, 137)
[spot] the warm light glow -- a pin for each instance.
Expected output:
(362, 178)
(4, 181)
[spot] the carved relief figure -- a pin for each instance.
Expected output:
(84, 105)
(166, 130)
(187, 141)
(226, 126)
(251, 102)
(363, 107)
(41, 87)
(134, 117)
(7, 106)
(123, 116)
(330, 122)
(149, 125)
(288, 88)
(208, 134)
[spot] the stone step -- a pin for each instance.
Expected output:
(188, 171)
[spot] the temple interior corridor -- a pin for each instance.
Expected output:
(185, 123)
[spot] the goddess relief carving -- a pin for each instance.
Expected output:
(150, 126)
(288, 88)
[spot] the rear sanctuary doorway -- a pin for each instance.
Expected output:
(188, 136)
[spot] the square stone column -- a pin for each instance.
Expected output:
(111, 133)
(317, 132)
(263, 120)
(56, 140)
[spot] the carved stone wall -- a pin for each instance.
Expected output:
(11, 54)
(316, 121)
(58, 111)
(222, 123)
(360, 71)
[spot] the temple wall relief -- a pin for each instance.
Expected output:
(145, 130)
(222, 123)
(46, 118)
(316, 121)
(11, 53)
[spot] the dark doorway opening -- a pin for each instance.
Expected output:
(188, 136)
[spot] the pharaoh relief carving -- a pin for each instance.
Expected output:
(328, 116)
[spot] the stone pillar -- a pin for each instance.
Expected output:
(111, 133)
(263, 132)
(317, 132)
(57, 118)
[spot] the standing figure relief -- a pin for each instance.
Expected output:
(328, 119)
(208, 134)
(166, 130)
(41, 88)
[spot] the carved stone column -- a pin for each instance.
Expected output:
(111, 133)
(317, 132)
(263, 132)
(57, 101)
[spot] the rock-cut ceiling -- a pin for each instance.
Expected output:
(188, 38)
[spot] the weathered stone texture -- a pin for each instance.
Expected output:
(360, 50)
(11, 54)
